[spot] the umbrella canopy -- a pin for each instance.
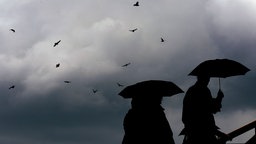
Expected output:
(221, 68)
(151, 88)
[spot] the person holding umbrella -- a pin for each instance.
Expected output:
(197, 115)
(199, 105)
(145, 122)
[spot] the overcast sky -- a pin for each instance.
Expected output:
(95, 43)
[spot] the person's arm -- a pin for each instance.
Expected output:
(220, 96)
(222, 137)
(217, 101)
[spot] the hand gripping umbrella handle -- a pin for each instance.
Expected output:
(220, 95)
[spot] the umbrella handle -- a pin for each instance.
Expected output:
(220, 93)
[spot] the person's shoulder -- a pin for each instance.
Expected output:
(192, 88)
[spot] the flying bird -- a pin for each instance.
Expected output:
(13, 30)
(94, 90)
(67, 81)
(120, 85)
(133, 30)
(125, 65)
(57, 65)
(55, 44)
(162, 40)
(12, 87)
(136, 4)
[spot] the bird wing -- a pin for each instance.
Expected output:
(133, 30)
(127, 64)
(55, 44)
(120, 85)
(136, 4)
(11, 87)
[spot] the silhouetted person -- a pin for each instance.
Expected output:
(197, 116)
(146, 123)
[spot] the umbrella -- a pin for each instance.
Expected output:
(220, 68)
(151, 88)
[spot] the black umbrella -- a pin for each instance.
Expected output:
(151, 88)
(220, 68)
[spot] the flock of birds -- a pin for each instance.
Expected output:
(58, 64)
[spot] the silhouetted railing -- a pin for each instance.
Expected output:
(244, 129)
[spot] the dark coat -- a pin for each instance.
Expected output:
(197, 115)
(147, 126)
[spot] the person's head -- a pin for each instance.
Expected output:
(203, 80)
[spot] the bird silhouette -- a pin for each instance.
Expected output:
(57, 65)
(94, 90)
(125, 65)
(67, 81)
(133, 30)
(12, 87)
(55, 44)
(136, 4)
(120, 85)
(162, 40)
(13, 30)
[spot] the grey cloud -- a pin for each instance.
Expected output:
(96, 42)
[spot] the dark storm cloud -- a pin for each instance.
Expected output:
(95, 43)
(53, 118)
(232, 28)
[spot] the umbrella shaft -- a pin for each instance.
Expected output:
(219, 84)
